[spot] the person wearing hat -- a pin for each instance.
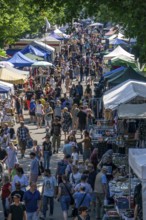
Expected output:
(100, 187)
(17, 209)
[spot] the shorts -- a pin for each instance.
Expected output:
(32, 113)
(65, 202)
(22, 144)
(39, 115)
(19, 111)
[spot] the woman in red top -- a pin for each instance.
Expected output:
(6, 191)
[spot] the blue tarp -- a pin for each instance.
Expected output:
(4, 89)
(114, 71)
(33, 50)
(19, 60)
(118, 42)
(56, 36)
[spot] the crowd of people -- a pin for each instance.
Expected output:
(82, 176)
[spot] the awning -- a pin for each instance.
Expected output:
(133, 111)
(7, 75)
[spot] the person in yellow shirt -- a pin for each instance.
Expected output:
(43, 101)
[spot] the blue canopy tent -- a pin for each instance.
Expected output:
(19, 60)
(118, 42)
(4, 89)
(33, 50)
(47, 53)
(122, 68)
(56, 36)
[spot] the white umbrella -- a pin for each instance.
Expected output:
(6, 63)
(42, 63)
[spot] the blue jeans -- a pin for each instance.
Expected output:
(46, 200)
(46, 160)
(5, 211)
(32, 216)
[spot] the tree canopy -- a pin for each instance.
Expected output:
(19, 17)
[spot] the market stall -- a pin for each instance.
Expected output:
(7, 75)
(137, 161)
(124, 93)
(116, 52)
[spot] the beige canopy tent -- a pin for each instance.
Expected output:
(7, 75)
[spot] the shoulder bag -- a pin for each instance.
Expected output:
(71, 197)
(75, 210)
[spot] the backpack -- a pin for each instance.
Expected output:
(62, 167)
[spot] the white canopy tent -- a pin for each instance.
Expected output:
(129, 111)
(123, 57)
(11, 86)
(118, 51)
(43, 46)
(112, 37)
(123, 93)
(137, 161)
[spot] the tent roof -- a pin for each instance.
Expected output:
(112, 72)
(136, 111)
(14, 70)
(9, 76)
(112, 37)
(123, 58)
(123, 93)
(43, 46)
(118, 51)
(137, 162)
(10, 85)
(4, 89)
(20, 60)
(50, 39)
(32, 50)
(118, 42)
(110, 32)
(128, 73)
(56, 36)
